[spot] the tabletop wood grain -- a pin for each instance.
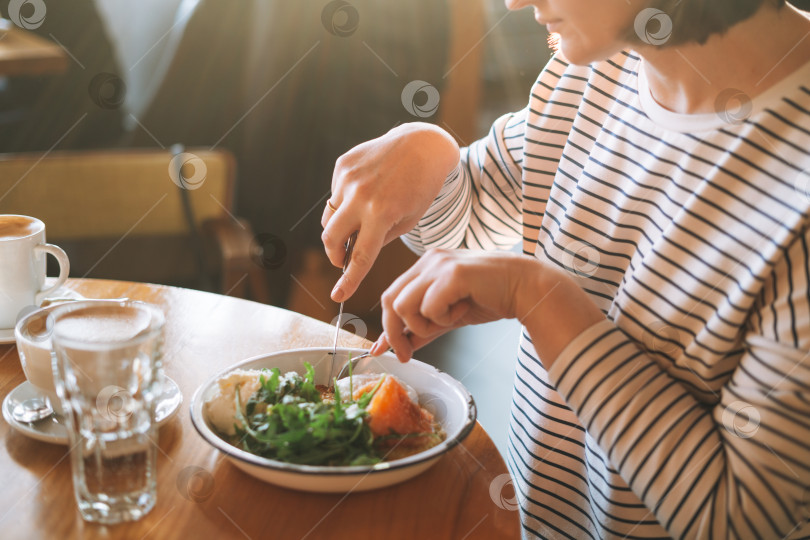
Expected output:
(202, 495)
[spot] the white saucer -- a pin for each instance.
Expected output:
(60, 295)
(52, 430)
(6, 336)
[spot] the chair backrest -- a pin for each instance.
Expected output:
(106, 194)
(461, 98)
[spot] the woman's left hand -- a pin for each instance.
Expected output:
(447, 289)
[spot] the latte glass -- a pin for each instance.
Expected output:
(107, 372)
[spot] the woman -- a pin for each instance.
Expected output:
(658, 180)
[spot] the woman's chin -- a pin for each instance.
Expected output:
(569, 53)
(574, 53)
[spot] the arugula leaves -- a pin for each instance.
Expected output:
(287, 420)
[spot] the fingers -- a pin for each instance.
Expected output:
(339, 226)
(431, 298)
(417, 342)
(401, 305)
(425, 297)
(366, 249)
(394, 335)
(444, 302)
(452, 317)
(329, 209)
(340, 220)
(407, 306)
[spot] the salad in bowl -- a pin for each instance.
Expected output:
(283, 419)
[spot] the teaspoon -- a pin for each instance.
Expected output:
(32, 410)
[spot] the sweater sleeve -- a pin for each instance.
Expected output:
(479, 205)
(739, 468)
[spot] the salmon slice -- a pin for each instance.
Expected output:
(392, 412)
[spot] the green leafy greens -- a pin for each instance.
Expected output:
(287, 420)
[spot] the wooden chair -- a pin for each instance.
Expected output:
(119, 214)
(462, 94)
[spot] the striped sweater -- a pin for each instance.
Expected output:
(686, 412)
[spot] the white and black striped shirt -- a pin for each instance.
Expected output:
(686, 412)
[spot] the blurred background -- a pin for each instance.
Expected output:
(192, 142)
(283, 87)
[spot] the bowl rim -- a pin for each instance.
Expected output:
(202, 428)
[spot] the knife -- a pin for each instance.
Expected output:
(338, 322)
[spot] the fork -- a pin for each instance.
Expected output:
(352, 363)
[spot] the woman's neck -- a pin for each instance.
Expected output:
(751, 57)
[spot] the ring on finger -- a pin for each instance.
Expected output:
(331, 206)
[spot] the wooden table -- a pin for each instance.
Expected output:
(204, 334)
(25, 53)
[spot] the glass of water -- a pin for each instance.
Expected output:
(107, 373)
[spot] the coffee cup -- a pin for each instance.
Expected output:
(22, 266)
(33, 336)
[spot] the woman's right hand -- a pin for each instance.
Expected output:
(381, 189)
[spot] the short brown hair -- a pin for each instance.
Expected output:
(697, 20)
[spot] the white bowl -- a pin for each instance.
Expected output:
(451, 403)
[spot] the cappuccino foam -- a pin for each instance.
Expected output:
(13, 227)
(103, 324)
